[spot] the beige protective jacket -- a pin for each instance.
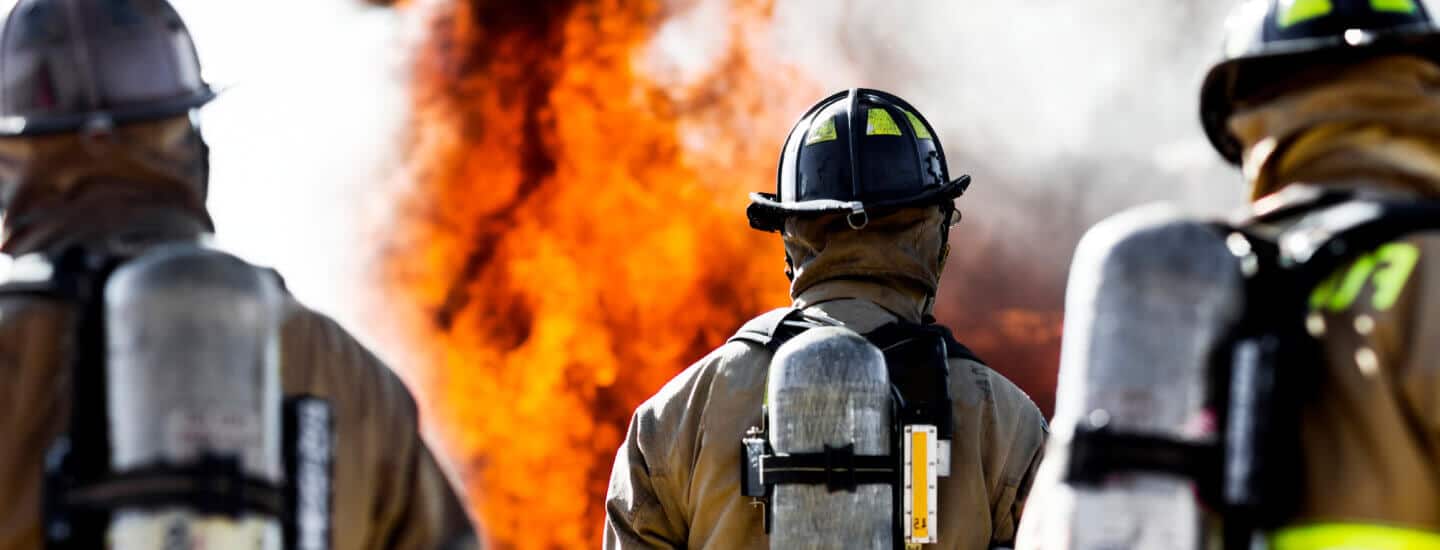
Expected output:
(1371, 435)
(388, 490)
(676, 479)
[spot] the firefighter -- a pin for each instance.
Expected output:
(864, 207)
(1345, 94)
(1322, 433)
(99, 151)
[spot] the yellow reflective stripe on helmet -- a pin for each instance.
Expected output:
(1395, 6)
(880, 123)
(1339, 536)
(920, 131)
(823, 133)
(1300, 11)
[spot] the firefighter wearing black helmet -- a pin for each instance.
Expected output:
(1318, 429)
(1341, 99)
(101, 163)
(864, 205)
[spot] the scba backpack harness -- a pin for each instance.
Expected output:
(84, 491)
(1264, 373)
(916, 358)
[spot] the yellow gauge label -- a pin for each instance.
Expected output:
(920, 481)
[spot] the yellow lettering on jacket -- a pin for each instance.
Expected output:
(1387, 269)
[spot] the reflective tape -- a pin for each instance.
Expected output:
(1293, 12)
(920, 131)
(1340, 536)
(1386, 271)
(880, 123)
(824, 132)
(1394, 6)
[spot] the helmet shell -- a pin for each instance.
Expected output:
(68, 65)
(1268, 41)
(856, 151)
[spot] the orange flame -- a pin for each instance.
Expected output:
(568, 252)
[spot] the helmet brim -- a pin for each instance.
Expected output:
(1225, 82)
(767, 213)
(17, 126)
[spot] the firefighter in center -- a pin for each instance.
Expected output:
(864, 208)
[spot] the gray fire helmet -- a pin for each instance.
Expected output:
(71, 65)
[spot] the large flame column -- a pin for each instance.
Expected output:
(563, 251)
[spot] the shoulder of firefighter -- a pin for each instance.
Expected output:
(1276, 375)
(385, 489)
(677, 479)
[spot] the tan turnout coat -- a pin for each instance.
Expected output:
(675, 482)
(388, 490)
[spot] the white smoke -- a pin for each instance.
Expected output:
(304, 138)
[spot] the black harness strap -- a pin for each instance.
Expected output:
(81, 454)
(772, 329)
(211, 485)
(839, 469)
(1096, 453)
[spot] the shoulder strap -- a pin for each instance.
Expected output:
(899, 332)
(1323, 240)
(776, 327)
(772, 329)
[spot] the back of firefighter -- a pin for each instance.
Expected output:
(99, 152)
(1345, 95)
(861, 254)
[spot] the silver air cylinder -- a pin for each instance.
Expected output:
(828, 387)
(193, 370)
(1151, 297)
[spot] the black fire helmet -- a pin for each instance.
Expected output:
(859, 152)
(1270, 41)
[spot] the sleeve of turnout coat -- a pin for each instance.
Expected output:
(389, 490)
(648, 502)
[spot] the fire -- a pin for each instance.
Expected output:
(574, 237)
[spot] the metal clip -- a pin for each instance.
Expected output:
(857, 212)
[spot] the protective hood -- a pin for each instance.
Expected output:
(894, 261)
(1374, 122)
(146, 179)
